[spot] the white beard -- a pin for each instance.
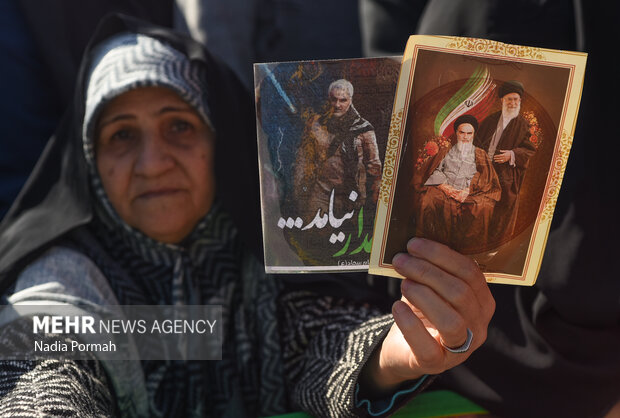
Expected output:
(464, 148)
(509, 114)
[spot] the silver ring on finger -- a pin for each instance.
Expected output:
(465, 347)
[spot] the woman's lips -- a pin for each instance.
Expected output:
(155, 193)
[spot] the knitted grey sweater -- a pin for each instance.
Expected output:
(322, 342)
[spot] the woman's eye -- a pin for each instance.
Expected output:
(181, 126)
(122, 135)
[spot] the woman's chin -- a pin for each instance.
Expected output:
(168, 219)
(168, 228)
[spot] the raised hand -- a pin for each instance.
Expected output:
(445, 308)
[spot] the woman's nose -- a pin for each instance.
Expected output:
(154, 156)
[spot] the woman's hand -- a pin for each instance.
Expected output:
(444, 295)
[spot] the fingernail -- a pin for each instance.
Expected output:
(398, 308)
(399, 260)
(413, 244)
(405, 285)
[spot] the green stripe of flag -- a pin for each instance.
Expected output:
(474, 82)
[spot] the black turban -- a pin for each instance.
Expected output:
(466, 119)
(512, 86)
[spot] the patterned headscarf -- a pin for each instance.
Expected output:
(205, 267)
(120, 64)
(126, 62)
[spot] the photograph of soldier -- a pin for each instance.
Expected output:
(322, 132)
(338, 158)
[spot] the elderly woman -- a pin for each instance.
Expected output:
(147, 196)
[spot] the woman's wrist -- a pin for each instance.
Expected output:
(378, 380)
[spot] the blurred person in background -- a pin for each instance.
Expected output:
(41, 45)
(551, 348)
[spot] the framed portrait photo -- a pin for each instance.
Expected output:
(478, 143)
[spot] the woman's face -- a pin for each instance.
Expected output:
(154, 155)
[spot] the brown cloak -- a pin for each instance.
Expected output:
(516, 138)
(463, 225)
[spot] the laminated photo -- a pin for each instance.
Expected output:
(322, 128)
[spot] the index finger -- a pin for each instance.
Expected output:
(448, 260)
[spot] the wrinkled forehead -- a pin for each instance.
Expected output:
(465, 128)
(512, 96)
(150, 102)
(339, 93)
